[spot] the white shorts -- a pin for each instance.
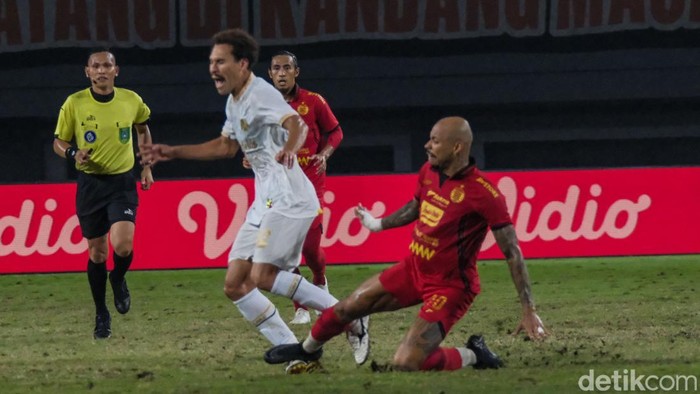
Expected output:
(278, 241)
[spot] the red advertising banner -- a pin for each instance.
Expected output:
(191, 224)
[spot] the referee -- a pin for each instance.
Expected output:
(99, 121)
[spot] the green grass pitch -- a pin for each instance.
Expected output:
(183, 336)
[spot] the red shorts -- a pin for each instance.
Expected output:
(440, 303)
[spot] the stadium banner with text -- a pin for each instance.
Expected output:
(192, 223)
(41, 24)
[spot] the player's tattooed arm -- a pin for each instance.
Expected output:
(508, 243)
(403, 216)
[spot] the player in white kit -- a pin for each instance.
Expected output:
(269, 132)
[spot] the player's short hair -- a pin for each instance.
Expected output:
(243, 44)
(286, 53)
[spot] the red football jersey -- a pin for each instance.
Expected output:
(323, 129)
(454, 218)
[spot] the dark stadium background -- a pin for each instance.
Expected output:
(618, 99)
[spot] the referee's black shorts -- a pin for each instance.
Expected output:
(102, 200)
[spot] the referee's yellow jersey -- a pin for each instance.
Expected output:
(104, 127)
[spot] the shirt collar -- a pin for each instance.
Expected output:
(245, 86)
(464, 172)
(294, 93)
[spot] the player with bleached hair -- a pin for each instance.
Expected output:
(453, 205)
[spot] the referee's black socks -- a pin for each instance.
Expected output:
(97, 277)
(121, 265)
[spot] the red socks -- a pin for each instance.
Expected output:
(327, 326)
(442, 359)
(314, 256)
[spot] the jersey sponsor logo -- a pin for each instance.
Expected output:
(457, 194)
(90, 118)
(129, 212)
(303, 109)
(421, 251)
(487, 186)
(430, 214)
(90, 136)
(435, 303)
(304, 161)
(438, 198)
(124, 134)
(432, 241)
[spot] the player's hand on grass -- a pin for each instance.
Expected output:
(532, 325)
(367, 220)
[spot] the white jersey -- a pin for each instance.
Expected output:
(255, 121)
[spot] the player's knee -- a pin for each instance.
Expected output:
(98, 257)
(403, 362)
(234, 291)
(123, 249)
(263, 276)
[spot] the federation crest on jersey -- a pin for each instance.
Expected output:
(244, 125)
(90, 136)
(303, 109)
(457, 194)
(124, 134)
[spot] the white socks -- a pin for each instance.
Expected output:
(302, 291)
(259, 310)
(311, 345)
(468, 356)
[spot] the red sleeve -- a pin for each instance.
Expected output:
(492, 206)
(422, 173)
(331, 133)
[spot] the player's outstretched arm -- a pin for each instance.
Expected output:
(401, 217)
(218, 148)
(508, 243)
